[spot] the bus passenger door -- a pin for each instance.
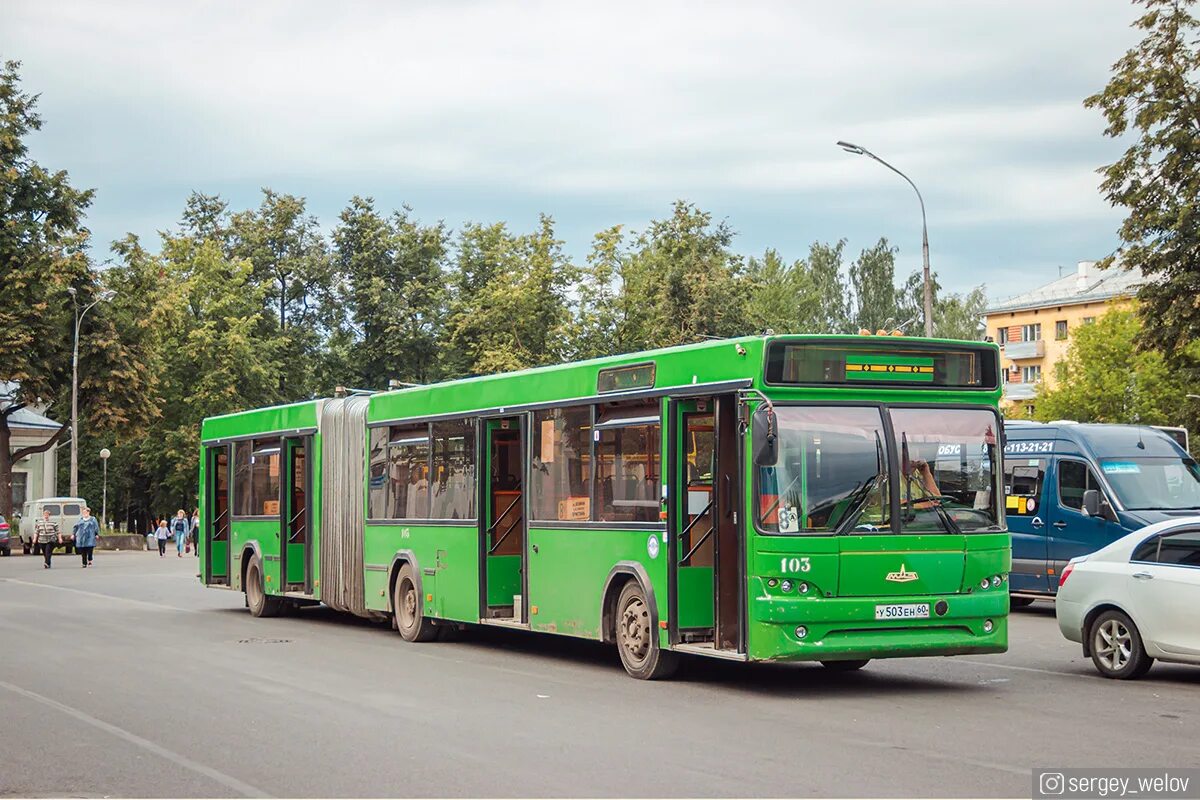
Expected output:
(1026, 497)
(296, 554)
(216, 515)
(502, 522)
(705, 528)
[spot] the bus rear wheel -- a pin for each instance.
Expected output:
(636, 640)
(258, 601)
(410, 615)
(845, 666)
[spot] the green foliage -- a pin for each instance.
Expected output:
(1152, 101)
(1106, 378)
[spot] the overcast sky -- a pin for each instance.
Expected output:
(599, 114)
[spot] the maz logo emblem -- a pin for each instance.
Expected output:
(902, 576)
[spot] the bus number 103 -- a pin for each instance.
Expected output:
(794, 564)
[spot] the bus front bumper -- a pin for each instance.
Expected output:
(835, 629)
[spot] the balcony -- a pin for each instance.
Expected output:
(1020, 391)
(1018, 350)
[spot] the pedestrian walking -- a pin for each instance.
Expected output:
(47, 534)
(182, 528)
(196, 532)
(161, 534)
(86, 531)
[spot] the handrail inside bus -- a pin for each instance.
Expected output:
(500, 519)
(500, 541)
(703, 538)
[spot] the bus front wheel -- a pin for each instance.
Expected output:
(410, 615)
(636, 640)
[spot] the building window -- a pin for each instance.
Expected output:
(1088, 320)
(1031, 374)
(1002, 335)
(20, 488)
(1060, 329)
(1031, 333)
(561, 467)
(256, 478)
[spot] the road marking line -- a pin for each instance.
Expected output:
(220, 777)
(1024, 669)
(160, 606)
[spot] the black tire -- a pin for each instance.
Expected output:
(258, 601)
(409, 610)
(7, 552)
(637, 637)
(25, 548)
(69, 549)
(845, 666)
(1019, 602)
(1116, 646)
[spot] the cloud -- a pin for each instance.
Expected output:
(564, 106)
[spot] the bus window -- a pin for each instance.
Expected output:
(627, 464)
(560, 468)
(454, 470)
(408, 472)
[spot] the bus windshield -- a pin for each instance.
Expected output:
(1154, 483)
(948, 467)
(832, 474)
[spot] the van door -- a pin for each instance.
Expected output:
(1025, 496)
(1071, 531)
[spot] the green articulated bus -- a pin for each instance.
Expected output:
(813, 498)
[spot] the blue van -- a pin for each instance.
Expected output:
(1071, 488)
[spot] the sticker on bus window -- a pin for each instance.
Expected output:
(575, 509)
(789, 520)
(1120, 467)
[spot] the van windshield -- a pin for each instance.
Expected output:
(1153, 484)
(54, 508)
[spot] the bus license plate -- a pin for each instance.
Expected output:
(903, 611)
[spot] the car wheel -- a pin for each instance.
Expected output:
(25, 548)
(7, 552)
(1117, 649)
(1019, 602)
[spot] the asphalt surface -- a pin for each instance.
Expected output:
(131, 679)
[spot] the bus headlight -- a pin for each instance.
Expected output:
(996, 580)
(801, 631)
(803, 588)
(988, 626)
(983, 584)
(786, 586)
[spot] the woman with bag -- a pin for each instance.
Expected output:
(86, 531)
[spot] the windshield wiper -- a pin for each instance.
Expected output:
(860, 495)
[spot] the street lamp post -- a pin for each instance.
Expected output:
(104, 454)
(862, 151)
(106, 294)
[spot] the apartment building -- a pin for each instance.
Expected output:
(1034, 329)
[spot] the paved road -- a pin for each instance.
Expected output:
(149, 685)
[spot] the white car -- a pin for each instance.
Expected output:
(1136, 599)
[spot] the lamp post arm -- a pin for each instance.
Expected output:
(927, 283)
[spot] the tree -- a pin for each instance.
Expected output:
(872, 279)
(959, 316)
(290, 259)
(1153, 100)
(392, 276)
(825, 268)
(783, 298)
(1106, 378)
(600, 327)
(42, 252)
(683, 282)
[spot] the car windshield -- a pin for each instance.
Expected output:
(948, 467)
(831, 474)
(1152, 484)
(53, 508)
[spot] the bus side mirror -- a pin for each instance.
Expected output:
(1091, 503)
(764, 437)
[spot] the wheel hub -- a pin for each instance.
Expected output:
(635, 630)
